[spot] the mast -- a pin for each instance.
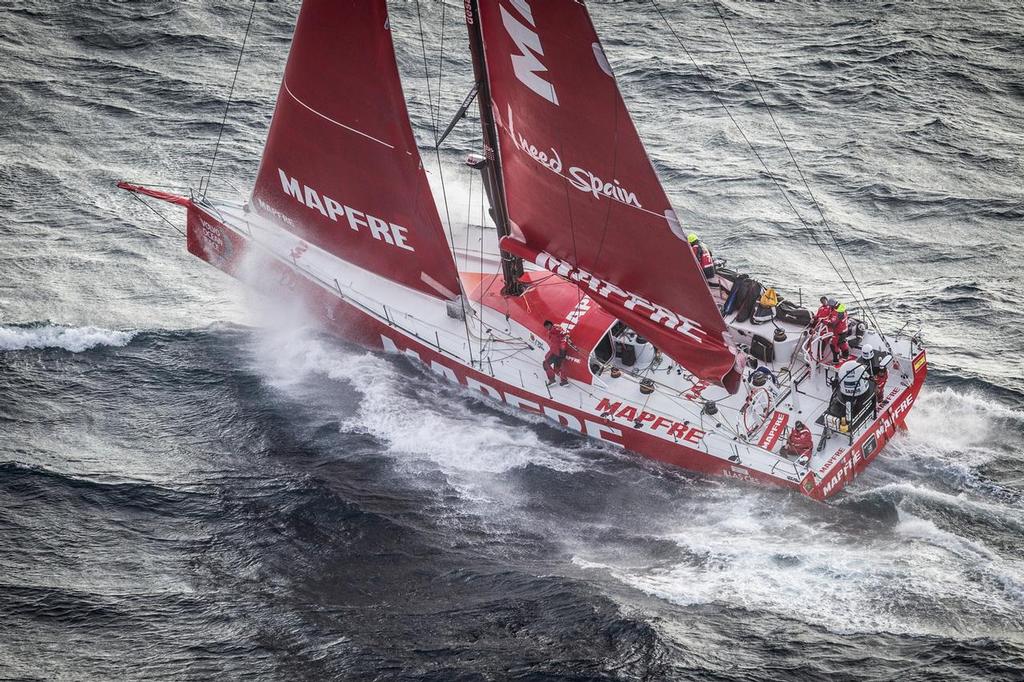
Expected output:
(511, 265)
(587, 203)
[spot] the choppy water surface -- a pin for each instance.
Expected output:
(194, 485)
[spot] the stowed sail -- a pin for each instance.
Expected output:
(341, 168)
(583, 199)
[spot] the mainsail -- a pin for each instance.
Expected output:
(583, 199)
(341, 167)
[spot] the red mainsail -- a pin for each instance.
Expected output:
(341, 167)
(583, 199)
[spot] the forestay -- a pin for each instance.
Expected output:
(341, 168)
(583, 198)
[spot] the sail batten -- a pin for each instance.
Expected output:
(582, 196)
(341, 168)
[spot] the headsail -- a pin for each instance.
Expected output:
(583, 199)
(341, 168)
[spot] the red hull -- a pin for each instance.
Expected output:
(225, 249)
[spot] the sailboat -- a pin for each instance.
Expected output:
(660, 359)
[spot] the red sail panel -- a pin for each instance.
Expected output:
(341, 167)
(582, 194)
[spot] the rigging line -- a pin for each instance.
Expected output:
(792, 157)
(440, 74)
(615, 163)
(437, 154)
(227, 105)
(764, 165)
(158, 215)
(572, 234)
(483, 290)
(469, 214)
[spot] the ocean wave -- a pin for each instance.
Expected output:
(73, 339)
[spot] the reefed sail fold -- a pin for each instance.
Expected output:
(341, 167)
(583, 198)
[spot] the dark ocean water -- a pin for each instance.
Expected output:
(193, 486)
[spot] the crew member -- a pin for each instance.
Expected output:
(839, 327)
(558, 348)
(800, 442)
(879, 374)
(825, 313)
(703, 256)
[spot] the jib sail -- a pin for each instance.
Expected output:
(341, 168)
(583, 199)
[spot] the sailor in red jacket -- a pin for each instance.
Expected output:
(558, 348)
(839, 327)
(800, 442)
(826, 312)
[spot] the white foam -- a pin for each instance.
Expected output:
(920, 579)
(433, 423)
(950, 421)
(74, 339)
(740, 545)
(930, 574)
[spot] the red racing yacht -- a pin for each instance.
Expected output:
(711, 375)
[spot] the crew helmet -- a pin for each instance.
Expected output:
(841, 308)
(867, 352)
(692, 238)
(799, 424)
(833, 302)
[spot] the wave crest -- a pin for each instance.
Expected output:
(73, 339)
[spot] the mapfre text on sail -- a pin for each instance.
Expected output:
(359, 221)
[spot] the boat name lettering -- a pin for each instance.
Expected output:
(216, 243)
(526, 65)
(881, 433)
(381, 230)
(629, 301)
(844, 469)
(576, 314)
(678, 430)
(773, 430)
(588, 427)
(737, 472)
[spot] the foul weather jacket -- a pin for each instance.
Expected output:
(800, 442)
(557, 341)
(826, 315)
